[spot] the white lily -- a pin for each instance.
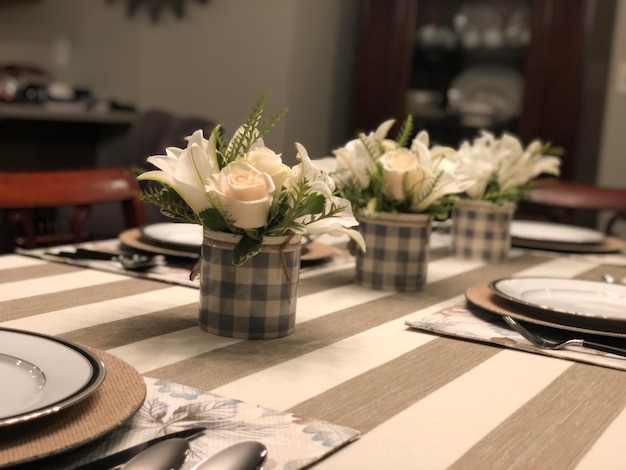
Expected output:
(355, 164)
(187, 170)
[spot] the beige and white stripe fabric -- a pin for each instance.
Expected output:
(421, 401)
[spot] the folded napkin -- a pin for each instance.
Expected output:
(293, 442)
(476, 324)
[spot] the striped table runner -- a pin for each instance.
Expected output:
(420, 400)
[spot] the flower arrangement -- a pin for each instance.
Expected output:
(243, 187)
(377, 174)
(501, 168)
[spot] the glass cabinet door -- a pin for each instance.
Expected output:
(467, 69)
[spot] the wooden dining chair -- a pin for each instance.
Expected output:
(562, 201)
(25, 196)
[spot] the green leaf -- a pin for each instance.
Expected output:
(213, 220)
(405, 132)
(246, 249)
(313, 204)
(170, 203)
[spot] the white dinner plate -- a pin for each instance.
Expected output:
(587, 300)
(553, 232)
(188, 236)
(42, 375)
(497, 88)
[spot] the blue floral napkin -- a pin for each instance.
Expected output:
(293, 442)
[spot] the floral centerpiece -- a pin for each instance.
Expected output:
(396, 188)
(378, 174)
(254, 210)
(243, 187)
(502, 170)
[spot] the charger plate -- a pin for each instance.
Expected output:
(118, 398)
(482, 296)
(133, 238)
(608, 245)
(46, 375)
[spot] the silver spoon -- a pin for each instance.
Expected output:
(248, 455)
(166, 455)
(608, 278)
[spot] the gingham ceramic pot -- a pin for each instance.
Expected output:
(481, 230)
(256, 300)
(397, 251)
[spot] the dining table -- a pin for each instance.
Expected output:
(370, 379)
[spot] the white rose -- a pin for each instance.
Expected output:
(401, 173)
(266, 161)
(245, 194)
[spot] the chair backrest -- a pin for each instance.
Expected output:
(23, 193)
(560, 200)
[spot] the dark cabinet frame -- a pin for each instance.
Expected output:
(566, 69)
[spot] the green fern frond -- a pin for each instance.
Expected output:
(405, 132)
(251, 131)
(170, 204)
(373, 150)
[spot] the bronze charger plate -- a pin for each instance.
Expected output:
(481, 296)
(608, 245)
(311, 252)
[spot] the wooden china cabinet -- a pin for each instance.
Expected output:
(546, 62)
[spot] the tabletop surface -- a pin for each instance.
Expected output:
(420, 400)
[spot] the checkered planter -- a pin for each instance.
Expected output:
(481, 230)
(256, 300)
(397, 252)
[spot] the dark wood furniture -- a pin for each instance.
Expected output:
(568, 202)
(22, 194)
(35, 137)
(564, 66)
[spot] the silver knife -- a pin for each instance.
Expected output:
(111, 461)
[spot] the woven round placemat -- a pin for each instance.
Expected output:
(121, 394)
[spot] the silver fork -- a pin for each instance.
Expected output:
(549, 344)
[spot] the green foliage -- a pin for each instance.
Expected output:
(252, 130)
(213, 219)
(405, 132)
(246, 249)
(170, 203)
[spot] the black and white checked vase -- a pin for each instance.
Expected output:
(481, 230)
(256, 300)
(397, 251)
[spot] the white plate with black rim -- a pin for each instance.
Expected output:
(554, 232)
(177, 235)
(574, 300)
(43, 375)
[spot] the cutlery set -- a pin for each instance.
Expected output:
(550, 344)
(170, 452)
(131, 262)
(598, 306)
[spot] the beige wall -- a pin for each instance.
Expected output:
(612, 168)
(215, 62)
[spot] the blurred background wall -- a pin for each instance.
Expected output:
(214, 62)
(217, 60)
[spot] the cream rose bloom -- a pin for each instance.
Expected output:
(401, 173)
(245, 194)
(267, 161)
